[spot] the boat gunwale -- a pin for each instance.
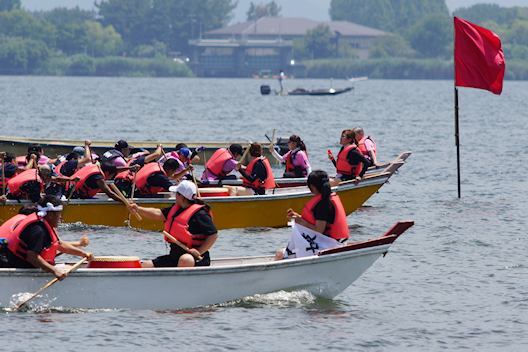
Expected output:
(218, 269)
(300, 191)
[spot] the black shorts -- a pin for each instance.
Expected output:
(171, 259)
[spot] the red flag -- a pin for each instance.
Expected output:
(479, 59)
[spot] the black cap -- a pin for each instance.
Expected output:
(121, 144)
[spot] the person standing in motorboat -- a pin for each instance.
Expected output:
(296, 159)
(32, 239)
(189, 221)
(324, 213)
(281, 77)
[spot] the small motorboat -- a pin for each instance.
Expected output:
(325, 274)
(324, 91)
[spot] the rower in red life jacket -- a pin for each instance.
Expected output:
(125, 179)
(79, 157)
(350, 164)
(9, 167)
(323, 213)
(32, 239)
(257, 176)
(190, 222)
(221, 163)
(366, 146)
(183, 157)
(34, 157)
(117, 156)
(154, 178)
(92, 181)
(296, 159)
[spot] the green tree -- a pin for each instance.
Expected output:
(491, 12)
(102, 41)
(21, 55)
(391, 46)
(8, 5)
(170, 22)
(70, 28)
(19, 23)
(431, 36)
(319, 42)
(271, 9)
(518, 33)
(389, 15)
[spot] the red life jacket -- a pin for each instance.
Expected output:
(339, 228)
(15, 183)
(144, 173)
(178, 226)
(21, 161)
(81, 188)
(268, 183)
(343, 166)
(363, 148)
(13, 228)
(215, 164)
(127, 175)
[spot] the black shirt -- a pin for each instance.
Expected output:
(10, 170)
(91, 182)
(200, 223)
(36, 238)
(69, 168)
(159, 180)
(324, 210)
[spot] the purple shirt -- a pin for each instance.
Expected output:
(228, 167)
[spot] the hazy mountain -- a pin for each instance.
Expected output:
(315, 9)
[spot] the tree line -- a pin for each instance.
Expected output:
(75, 41)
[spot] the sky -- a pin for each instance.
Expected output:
(314, 9)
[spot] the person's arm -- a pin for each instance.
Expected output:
(38, 262)
(276, 154)
(182, 173)
(320, 225)
(68, 248)
(148, 213)
(104, 187)
(207, 244)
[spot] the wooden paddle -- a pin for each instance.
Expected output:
(3, 173)
(123, 199)
(181, 245)
(55, 280)
(132, 193)
(244, 155)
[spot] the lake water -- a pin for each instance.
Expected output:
(457, 280)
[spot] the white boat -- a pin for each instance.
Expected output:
(324, 275)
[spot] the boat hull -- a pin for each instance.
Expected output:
(228, 212)
(173, 288)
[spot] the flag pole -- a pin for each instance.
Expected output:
(457, 140)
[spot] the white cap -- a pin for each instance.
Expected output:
(185, 188)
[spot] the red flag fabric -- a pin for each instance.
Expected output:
(479, 59)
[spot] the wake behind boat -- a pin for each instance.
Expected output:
(324, 275)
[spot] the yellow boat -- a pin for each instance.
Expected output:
(228, 211)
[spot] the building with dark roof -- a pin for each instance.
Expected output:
(266, 45)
